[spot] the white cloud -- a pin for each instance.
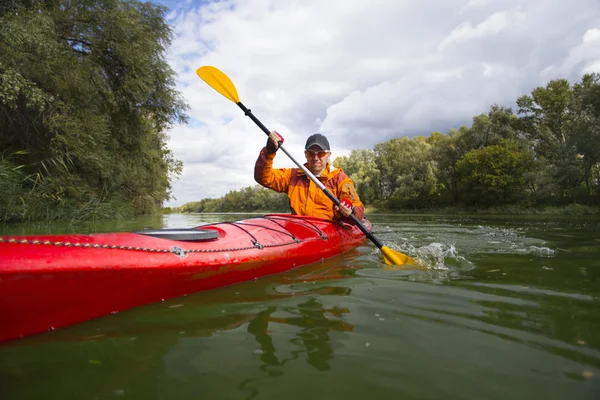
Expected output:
(592, 35)
(591, 67)
(492, 25)
(361, 72)
(583, 56)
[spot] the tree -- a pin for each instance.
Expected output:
(361, 167)
(561, 122)
(498, 125)
(493, 174)
(249, 199)
(547, 117)
(587, 130)
(408, 175)
(86, 98)
(445, 151)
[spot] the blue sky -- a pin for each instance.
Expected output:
(360, 71)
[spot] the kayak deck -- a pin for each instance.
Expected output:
(52, 281)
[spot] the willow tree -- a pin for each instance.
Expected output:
(86, 100)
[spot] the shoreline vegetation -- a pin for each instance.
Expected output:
(566, 210)
(85, 108)
(87, 98)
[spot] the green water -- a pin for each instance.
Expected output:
(509, 308)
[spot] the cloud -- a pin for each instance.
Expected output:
(584, 56)
(591, 36)
(492, 25)
(592, 67)
(434, 100)
(362, 73)
(475, 4)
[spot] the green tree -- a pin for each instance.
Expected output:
(586, 105)
(408, 174)
(498, 125)
(86, 99)
(561, 122)
(360, 165)
(249, 199)
(445, 151)
(547, 117)
(494, 174)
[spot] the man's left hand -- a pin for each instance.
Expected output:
(345, 208)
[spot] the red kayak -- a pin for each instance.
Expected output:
(51, 281)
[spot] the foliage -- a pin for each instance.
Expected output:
(493, 175)
(86, 99)
(562, 124)
(362, 168)
(408, 174)
(249, 199)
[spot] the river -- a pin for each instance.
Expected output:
(508, 308)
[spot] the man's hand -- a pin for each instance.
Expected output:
(274, 141)
(345, 208)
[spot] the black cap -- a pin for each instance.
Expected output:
(319, 140)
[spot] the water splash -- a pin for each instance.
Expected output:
(443, 250)
(438, 263)
(541, 251)
(437, 256)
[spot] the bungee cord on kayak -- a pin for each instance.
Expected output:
(182, 251)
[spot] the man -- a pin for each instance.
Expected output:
(305, 197)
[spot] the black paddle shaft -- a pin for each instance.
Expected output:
(335, 200)
(248, 113)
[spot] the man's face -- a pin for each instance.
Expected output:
(316, 159)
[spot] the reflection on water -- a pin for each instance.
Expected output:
(311, 339)
(313, 336)
(495, 316)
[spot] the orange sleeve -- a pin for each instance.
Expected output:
(347, 191)
(277, 179)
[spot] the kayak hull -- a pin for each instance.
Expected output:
(47, 282)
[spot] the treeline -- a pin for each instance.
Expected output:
(249, 199)
(86, 99)
(545, 154)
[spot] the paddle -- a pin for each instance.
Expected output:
(222, 84)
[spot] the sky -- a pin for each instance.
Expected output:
(359, 71)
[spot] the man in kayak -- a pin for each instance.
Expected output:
(305, 197)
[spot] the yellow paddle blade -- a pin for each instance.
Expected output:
(218, 81)
(392, 257)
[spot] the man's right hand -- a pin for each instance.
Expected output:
(274, 141)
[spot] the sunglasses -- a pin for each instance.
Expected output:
(320, 154)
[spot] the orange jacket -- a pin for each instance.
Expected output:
(304, 196)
